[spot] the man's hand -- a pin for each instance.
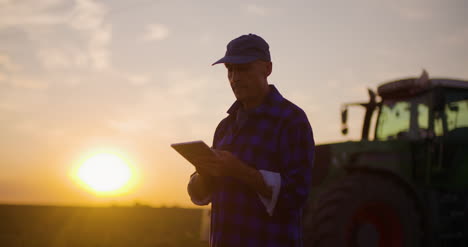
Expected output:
(226, 164)
(223, 164)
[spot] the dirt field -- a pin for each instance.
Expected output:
(49, 226)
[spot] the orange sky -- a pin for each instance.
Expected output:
(132, 77)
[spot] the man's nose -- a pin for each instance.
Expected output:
(234, 75)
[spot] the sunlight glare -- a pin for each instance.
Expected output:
(104, 173)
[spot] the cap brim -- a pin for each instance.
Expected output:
(236, 59)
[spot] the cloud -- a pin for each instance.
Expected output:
(54, 58)
(156, 32)
(80, 34)
(29, 13)
(88, 17)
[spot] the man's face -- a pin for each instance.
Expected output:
(248, 81)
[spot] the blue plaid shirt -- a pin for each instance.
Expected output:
(276, 137)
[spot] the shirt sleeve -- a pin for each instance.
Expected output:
(192, 189)
(297, 155)
(272, 180)
(197, 198)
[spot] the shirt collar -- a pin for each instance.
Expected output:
(274, 97)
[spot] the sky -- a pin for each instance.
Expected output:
(79, 77)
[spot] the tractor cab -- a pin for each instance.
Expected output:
(417, 109)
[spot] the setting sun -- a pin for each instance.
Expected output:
(105, 173)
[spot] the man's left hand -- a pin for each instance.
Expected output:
(223, 164)
(226, 164)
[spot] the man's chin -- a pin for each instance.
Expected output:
(241, 98)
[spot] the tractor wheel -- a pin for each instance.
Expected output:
(364, 210)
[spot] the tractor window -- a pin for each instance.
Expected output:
(394, 118)
(457, 114)
(423, 116)
(454, 119)
(403, 119)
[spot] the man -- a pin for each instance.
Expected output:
(259, 180)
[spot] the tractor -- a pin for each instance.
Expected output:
(407, 185)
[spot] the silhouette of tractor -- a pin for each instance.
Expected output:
(408, 186)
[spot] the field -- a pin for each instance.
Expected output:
(51, 226)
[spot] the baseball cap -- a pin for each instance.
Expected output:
(246, 49)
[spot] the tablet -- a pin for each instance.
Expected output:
(193, 149)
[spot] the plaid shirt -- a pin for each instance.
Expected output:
(276, 137)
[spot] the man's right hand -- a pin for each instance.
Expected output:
(200, 184)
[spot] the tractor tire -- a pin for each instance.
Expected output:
(364, 210)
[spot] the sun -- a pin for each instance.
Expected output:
(105, 173)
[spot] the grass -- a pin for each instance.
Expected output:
(52, 226)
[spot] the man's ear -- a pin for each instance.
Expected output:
(269, 69)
